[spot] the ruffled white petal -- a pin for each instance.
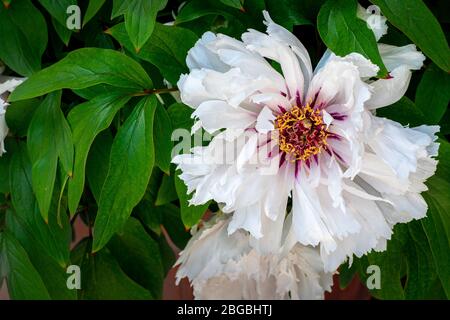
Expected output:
(399, 61)
(345, 200)
(3, 126)
(7, 84)
(228, 267)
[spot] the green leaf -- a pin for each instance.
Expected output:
(58, 9)
(138, 255)
(24, 282)
(119, 8)
(437, 223)
(199, 8)
(422, 278)
(389, 262)
(237, 4)
(166, 49)
(87, 121)
(51, 237)
(83, 68)
(98, 162)
(46, 144)
(63, 32)
(180, 115)
(149, 215)
(171, 220)
(415, 20)
(190, 215)
(19, 115)
(433, 94)
(52, 273)
(167, 192)
(92, 9)
(140, 19)
(290, 13)
(24, 37)
(403, 111)
(4, 173)
(163, 139)
(102, 278)
(343, 32)
(131, 164)
(347, 274)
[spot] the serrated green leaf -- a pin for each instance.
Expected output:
(343, 32)
(138, 255)
(131, 164)
(24, 37)
(415, 20)
(83, 68)
(46, 144)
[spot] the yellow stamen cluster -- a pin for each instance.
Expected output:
(301, 132)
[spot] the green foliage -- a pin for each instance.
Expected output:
(415, 20)
(46, 145)
(24, 37)
(90, 138)
(343, 32)
(130, 166)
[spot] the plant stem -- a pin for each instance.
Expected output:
(155, 91)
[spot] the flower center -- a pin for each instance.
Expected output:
(302, 132)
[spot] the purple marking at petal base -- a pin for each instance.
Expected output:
(338, 156)
(313, 102)
(282, 159)
(338, 116)
(308, 163)
(298, 99)
(283, 110)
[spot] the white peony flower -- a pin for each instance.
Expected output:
(305, 141)
(222, 266)
(7, 84)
